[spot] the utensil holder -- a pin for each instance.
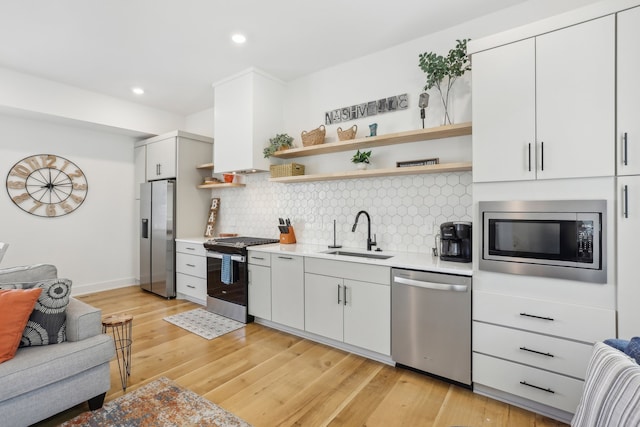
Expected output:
(288, 238)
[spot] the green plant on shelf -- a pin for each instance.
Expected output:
(361, 157)
(279, 142)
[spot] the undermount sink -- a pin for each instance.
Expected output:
(358, 254)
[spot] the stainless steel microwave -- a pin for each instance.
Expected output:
(563, 239)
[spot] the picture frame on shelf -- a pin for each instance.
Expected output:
(423, 162)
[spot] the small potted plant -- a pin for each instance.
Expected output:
(279, 142)
(361, 159)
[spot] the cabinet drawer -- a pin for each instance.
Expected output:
(587, 324)
(259, 258)
(541, 351)
(191, 248)
(191, 286)
(554, 390)
(349, 270)
(192, 265)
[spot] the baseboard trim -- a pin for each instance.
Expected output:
(91, 288)
(521, 402)
(323, 340)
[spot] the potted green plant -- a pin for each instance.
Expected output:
(361, 159)
(438, 67)
(279, 142)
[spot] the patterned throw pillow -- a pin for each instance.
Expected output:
(48, 321)
(633, 349)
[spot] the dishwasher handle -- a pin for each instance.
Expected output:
(430, 285)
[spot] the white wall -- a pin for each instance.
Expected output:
(28, 93)
(93, 245)
(200, 123)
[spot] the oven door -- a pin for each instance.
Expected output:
(234, 292)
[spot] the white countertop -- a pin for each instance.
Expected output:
(410, 260)
(196, 240)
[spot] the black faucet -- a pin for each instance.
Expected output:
(370, 243)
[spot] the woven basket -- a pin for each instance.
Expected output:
(289, 169)
(313, 137)
(345, 135)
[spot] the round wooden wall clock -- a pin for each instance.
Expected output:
(47, 185)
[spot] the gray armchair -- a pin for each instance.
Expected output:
(42, 381)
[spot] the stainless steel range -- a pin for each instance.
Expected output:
(227, 276)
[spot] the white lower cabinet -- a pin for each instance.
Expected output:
(535, 349)
(544, 387)
(339, 307)
(287, 290)
(260, 285)
(191, 272)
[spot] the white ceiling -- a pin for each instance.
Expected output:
(176, 49)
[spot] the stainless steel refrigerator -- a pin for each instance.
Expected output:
(157, 233)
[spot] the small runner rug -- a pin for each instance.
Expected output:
(204, 323)
(159, 403)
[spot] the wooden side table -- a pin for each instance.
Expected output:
(119, 325)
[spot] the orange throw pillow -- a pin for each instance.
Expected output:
(16, 306)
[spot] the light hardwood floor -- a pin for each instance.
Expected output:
(270, 378)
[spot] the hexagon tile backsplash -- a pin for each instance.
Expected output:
(405, 210)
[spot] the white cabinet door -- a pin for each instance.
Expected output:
(260, 291)
(140, 171)
(628, 232)
(575, 95)
(161, 159)
(287, 290)
(323, 305)
(504, 113)
(367, 316)
(628, 57)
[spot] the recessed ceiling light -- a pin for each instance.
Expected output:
(239, 38)
(137, 90)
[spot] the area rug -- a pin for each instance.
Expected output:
(159, 403)
(204, 323)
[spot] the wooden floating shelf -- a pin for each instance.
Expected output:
(378, 141)
(371, 173)
(205, 166)
(221, 185)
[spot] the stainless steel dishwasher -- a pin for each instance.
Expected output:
(431, 323)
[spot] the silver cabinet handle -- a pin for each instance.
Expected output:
(529, 153)
(536, 352)
(625, 210)
(257, 257)
(537, 317)
(542, 156)
(190, 249)
(624, 149)
(285, 257)
(159, 169)
(191, 286)
(548, 390)
(190, 265)
(339, 302)
(344, 290)
(430, 285)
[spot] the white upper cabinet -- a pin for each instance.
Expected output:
(628, 57)
(248, 111)
(161, 159)
(504, 127)
(575, 93)
(544, 107)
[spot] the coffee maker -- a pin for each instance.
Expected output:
(455, 241)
